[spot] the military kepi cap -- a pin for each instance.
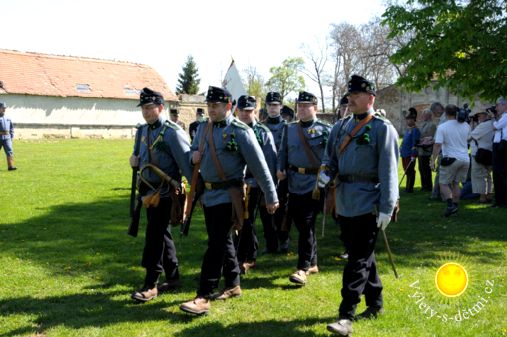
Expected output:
(216, 94)
(174, 112)
(3, 105)
(273, 97)
(360, 84)
(344, 100)
(247, 102)
(287, 111)
(306, 97)
(149, 96)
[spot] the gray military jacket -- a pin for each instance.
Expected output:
(276, 125)
(293, 155)
(372, 153)
(170, 152)
(236, 146)
(267, 144)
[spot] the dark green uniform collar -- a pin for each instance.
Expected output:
(307, 123)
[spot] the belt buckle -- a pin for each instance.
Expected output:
(301, 170)
(208, 185)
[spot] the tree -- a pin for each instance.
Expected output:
(318, 59)
(188, 81)
(254, 83)
(459, 44)
(286, 78)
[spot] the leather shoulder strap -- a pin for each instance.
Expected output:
(306, 146)
(350, 136)
(213, 153)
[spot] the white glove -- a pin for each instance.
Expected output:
(323, 179)
(383, 220)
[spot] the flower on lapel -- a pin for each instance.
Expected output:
(231, 144)
(364, 138)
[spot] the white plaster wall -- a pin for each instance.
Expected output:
(31, 109)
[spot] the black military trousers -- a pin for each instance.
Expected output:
(303, 210)
(360, 274)
(247, 243)
(500, 175)
(425, 173)
(274, 234)
(221, 253)
(159, 253)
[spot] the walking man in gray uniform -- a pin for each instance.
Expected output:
(228, 145)
(277, 238)
(248, 243)
(299, 159)
(362, 153)
(161, 152)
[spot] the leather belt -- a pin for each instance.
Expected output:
(223, 185)
(304, 170)
(4, 133)
(358, 179)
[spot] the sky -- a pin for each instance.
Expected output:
(162, 34)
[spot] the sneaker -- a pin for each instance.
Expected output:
(450, 210)
(312, 270)
(228, 293)
(370, 313)
(169, 285)
(198, 306)
(344, 255)
(145, 294)
(246, 266)
(298, 277)
(12, 168)
(343, 327)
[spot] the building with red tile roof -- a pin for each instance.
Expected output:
(75, 93)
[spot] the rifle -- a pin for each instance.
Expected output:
(135, 200)
(195, 190)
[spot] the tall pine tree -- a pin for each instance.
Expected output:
(188, 81)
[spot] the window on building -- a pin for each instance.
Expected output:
(83, 87)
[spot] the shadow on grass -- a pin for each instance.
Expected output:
(294, 327)
(90, 239)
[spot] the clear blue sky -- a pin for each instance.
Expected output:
(162, 33)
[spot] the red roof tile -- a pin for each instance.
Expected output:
(52, 75)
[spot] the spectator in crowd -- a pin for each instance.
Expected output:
(451, 138)
(408, 149)
(481, 138)
(500, 153)
(439, 117)
(428, 129)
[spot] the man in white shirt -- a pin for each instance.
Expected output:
(451, 138)
(500, 154)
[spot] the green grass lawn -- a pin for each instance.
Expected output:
(67, 266)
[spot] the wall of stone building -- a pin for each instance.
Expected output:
(395, 100)
(187, 106)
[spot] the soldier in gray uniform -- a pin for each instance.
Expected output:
(277, 237)
(6, 137)
(366, 194)
(247, 240)
(228, 146)
(164, 145)
(299, 159)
